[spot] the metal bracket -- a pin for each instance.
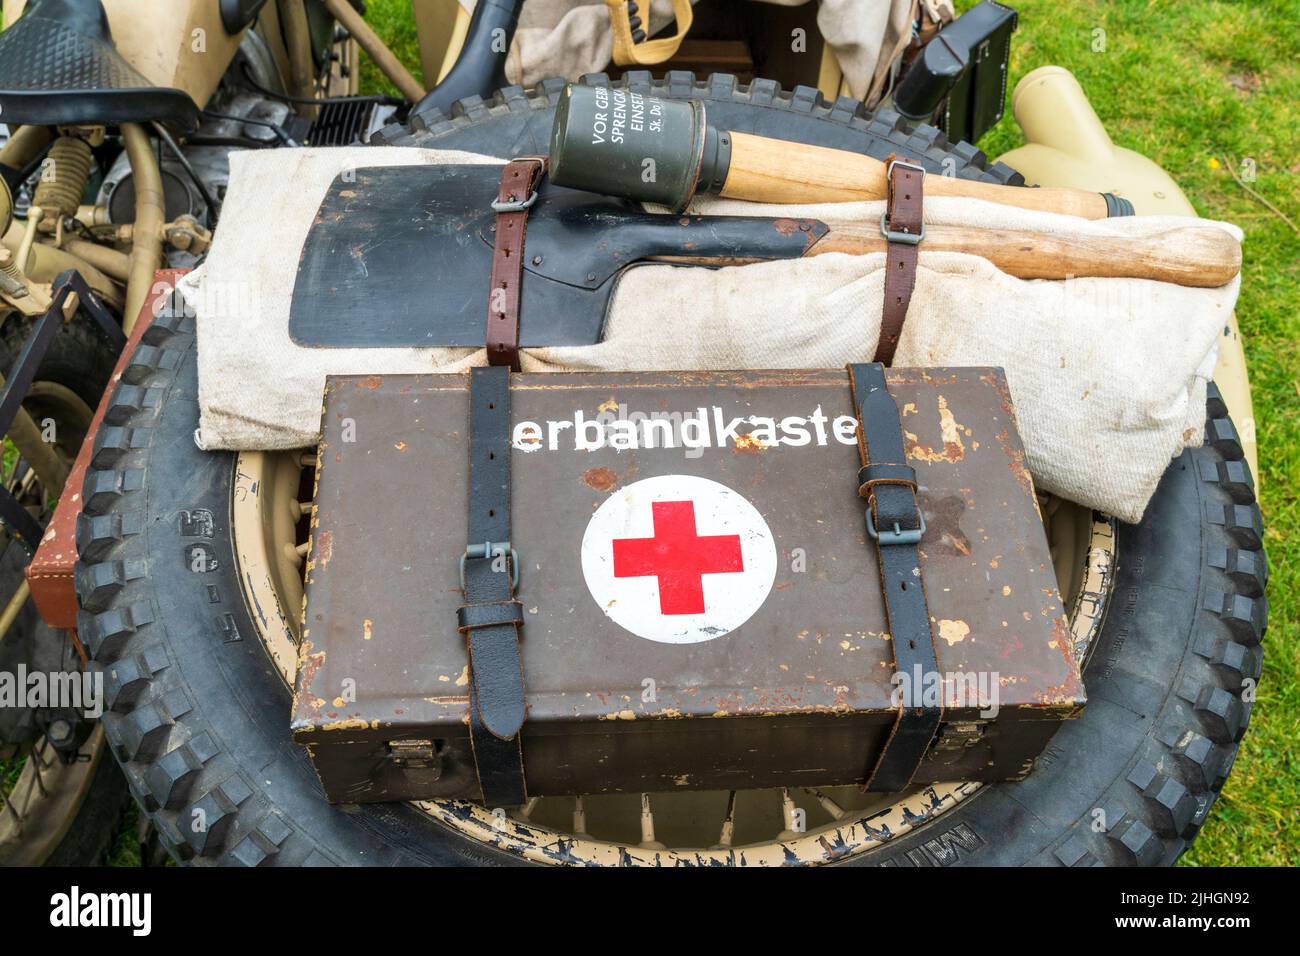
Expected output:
(23, 373)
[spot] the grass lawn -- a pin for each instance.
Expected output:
(1196, 86)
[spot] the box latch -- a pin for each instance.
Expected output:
(415, 754)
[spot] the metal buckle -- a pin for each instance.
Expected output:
(490, 549)
(890, 234)
(889, 167)
(514, 205)
(898, 535)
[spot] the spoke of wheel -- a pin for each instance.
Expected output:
(788, 813)
(18, 817)
(526, 811)
(39, 780)
(648, 840)
(579, 815)
(729, 821)
(14, 607)
(296, 555)
(36, 451)
(40, 753)
(830, 806)
(307, 459)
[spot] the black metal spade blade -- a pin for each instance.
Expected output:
(400, 256)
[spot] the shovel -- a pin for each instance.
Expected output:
(400, 256)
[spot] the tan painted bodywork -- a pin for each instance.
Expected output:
(179, 44)
(440, 26)
(1066, 145)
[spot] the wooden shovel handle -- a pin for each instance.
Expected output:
(777, 171)
(1203, 258)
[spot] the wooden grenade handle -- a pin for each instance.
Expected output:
(777, 171)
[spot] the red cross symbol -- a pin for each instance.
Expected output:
(678, 557)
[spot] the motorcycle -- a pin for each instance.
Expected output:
(119, 117)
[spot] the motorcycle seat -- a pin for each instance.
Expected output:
(58, 65)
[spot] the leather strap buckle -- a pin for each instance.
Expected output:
(491, 549)
(897, 235)
(514, 205)
(889, 167)
(899, 535)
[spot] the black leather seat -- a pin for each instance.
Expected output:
(58, 65)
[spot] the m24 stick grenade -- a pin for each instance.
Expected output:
(623, 143)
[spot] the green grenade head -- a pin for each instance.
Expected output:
(623, 143)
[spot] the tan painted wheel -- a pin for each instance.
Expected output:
(38, 810)
(272, 494)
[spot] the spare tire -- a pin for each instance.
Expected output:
(198, 713)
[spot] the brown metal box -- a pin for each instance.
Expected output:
(737, 640)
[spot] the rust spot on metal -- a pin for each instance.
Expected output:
(370, 382)
(1017, 463)
(954, 450)
(600, 479)
(747, 444)
(324, 549)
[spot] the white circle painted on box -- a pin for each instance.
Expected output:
(678, 559)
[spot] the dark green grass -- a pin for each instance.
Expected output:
(1197, 86)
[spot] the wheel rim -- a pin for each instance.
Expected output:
(37, 812)
(270, 523)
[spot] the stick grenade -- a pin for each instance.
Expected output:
(623, 143)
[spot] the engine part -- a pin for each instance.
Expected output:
(63, 179)
(342, 122)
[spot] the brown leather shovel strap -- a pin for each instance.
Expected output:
(903, 229)
(516, 195)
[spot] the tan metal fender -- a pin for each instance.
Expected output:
(178, 44)
(1066, 145)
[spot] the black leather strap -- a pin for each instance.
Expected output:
(491, 618)
(896, 525)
